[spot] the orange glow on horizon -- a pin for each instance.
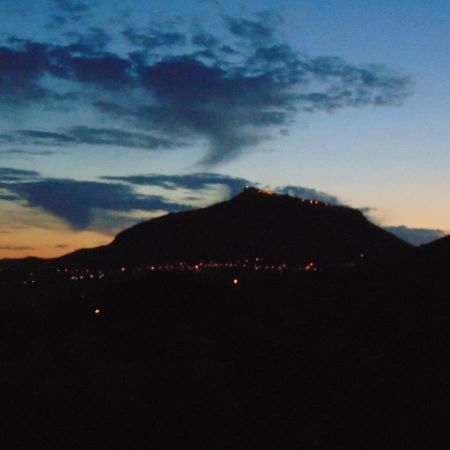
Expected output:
(47, 242)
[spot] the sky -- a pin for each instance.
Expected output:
(114, 112)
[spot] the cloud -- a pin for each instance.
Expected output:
(202, 181)
(36, 137)
(105, 70)
(205, 40)
(150, 38)
(260, 30)
(416, 236)
(8, 174)
(8, 197)
(114, 201)
(110, 136)
(68, 10)
(76, 201)
(21, 70)
(17, 151)
(70, 6)
(194, 181)
(241, 87)
(88, 135)
(92, 41)
(61, 246)
(110, 205)
(198, 182)
(16, 247)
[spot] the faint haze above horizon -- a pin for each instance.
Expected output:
(114, 113)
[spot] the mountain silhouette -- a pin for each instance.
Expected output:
(337, 359)
(429, 259)
(436, 251)
(254, 224)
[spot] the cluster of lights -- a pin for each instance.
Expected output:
(248, 264)
(84, 274)
(313, 202)
(265, 192)
(256, 265)
(31, 280)
(302, 200)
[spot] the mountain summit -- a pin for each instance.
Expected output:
(254, 224)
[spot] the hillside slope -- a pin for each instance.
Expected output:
(254, 224)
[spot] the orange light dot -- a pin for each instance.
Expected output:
(235, 281)
(97, 311)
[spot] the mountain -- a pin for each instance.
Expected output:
(254, 224)
(438, 251)
(432, 258)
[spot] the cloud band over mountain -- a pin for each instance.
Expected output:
(108, 204)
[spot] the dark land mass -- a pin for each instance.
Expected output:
(342, 358)
(255, 223)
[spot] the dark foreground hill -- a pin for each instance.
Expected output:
(430, 261)
(437, 252)
(322, 360)
(255, 223)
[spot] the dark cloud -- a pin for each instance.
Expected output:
(106, 204)
(232, 94)
(17, 151)
(82, 204)
(88, 135)
(194, 181)
(68, 10)
(308, 193)
(76, 201)
(367, 210)
(105, 70)
(416, 236)
(254, 30)
(35, 137)
(16, 247)
(8, 197)
(8, 174)
(92, 41)
(152, 38)
(21, 70)
(70, 6)
(61, 246)
(205, 40)
(110, 136)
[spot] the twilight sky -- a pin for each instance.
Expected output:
(113, 112)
